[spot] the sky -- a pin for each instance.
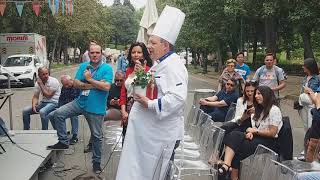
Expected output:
(136, 3)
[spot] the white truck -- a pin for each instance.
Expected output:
(21, 55)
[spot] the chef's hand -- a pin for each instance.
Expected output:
(141, 99)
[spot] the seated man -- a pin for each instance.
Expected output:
(217, 106)
(113, 112)
(68, 94)
(49, 87)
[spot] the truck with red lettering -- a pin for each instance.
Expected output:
(22, 54)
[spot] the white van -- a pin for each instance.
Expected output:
(24, 68)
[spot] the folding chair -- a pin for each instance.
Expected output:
(210, 142)
(277, 171)
(231, 112)
(252, 167)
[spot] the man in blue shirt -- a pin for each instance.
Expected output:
(94, 78)
(241, 67)
(217, 106)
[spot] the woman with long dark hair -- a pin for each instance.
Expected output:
(138, 57)
(244, 109)
(266, 123)
(309, 83)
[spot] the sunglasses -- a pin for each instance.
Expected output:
(118, 80)
(230, 84)
(95, 52)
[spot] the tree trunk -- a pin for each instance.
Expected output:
(306, 36)
(65, 52)
(187, 55)
(288, 54)
(194, 58)
(54, 49)
(74, 52)
(255, 47)
(219, 56)
(205, 62)
(271, 34)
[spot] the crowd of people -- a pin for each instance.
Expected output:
(153, 123)
(258, 117)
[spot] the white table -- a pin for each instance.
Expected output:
(17, 164)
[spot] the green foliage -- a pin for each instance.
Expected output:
(124, 25)
(142, 79)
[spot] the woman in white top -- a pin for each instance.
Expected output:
(244, 109)
(266, 124)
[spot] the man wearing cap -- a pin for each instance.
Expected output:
(156, 125)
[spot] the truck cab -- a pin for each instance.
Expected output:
(24, 68)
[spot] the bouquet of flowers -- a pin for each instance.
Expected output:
(142, 79)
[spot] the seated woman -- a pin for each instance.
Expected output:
(266, 124)
(217, 106)
(312, 136)
(244, 109)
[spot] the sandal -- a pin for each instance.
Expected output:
(224, 169)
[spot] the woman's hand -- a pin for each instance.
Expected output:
(249, 136)
(247, 113)
(251, 130)
(138, 66)
(307, 90)
(124, 115)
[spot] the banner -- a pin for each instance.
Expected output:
(19, 6)
(2, 7)
(36, 7)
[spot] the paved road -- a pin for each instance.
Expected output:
(22, 98)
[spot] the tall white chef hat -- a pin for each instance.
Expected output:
(169, 24)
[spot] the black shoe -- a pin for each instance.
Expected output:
(58, 146)
(96, 168)
(73, 140)
(88, 148)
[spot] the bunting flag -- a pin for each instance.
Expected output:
(2, 8)
(36, 7)
(69, 7)
(57, 4)
(52, 6)
(19, 6)
(62, 7)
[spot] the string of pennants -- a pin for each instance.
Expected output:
(67, 6)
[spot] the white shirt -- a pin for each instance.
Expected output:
(54, 85)
(274, 118)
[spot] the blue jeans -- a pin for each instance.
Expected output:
(94, 121)
(74, 123)
(44, 108)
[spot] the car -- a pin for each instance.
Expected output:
(23, 67)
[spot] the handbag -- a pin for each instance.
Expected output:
(296, 105)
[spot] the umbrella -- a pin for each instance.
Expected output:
(148, 21)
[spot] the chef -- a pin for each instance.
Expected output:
(155, 126)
